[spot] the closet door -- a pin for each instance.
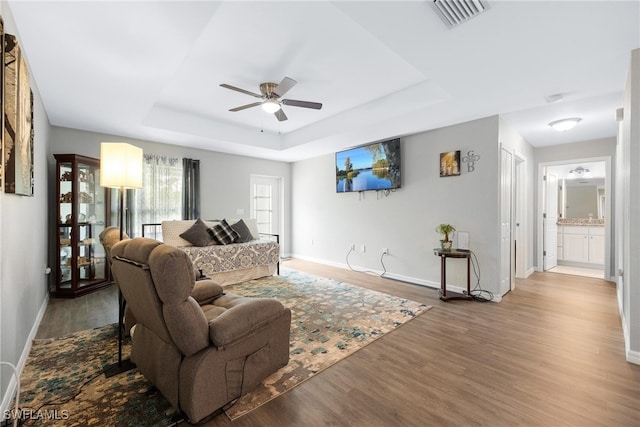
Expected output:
(506, 192)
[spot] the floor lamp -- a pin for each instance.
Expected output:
(121, 168)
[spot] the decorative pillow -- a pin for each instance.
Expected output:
(222, 233)
(198, 234)
(244, 234)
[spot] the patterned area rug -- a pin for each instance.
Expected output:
(63, 381)
(329, 321)
(63, 384)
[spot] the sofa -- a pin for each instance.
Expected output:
(200, 356)
(226, 262)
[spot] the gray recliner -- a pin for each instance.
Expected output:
(200, 357)
(203, 291)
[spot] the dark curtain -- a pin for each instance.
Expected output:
(191, 190)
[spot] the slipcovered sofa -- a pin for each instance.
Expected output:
(245, 258)
(200, 357)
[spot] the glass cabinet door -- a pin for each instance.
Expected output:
(82, 216)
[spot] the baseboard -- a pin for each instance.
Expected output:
(9, 395)
(401, 278)
(633, 357)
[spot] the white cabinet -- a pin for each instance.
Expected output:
(596, 245)
(583, 244)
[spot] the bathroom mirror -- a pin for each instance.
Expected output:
(582, 198)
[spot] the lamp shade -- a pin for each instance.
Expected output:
(120, 165)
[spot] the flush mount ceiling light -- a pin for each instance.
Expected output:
(579, 172)
(270, 106)
(565, 124)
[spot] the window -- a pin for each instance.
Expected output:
(263, 207)
(160, 198)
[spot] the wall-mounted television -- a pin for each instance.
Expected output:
(374, 166)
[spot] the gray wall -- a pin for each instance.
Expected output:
(224, 177)
(325, 223)
(23, 252)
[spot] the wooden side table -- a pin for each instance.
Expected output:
(453, 253)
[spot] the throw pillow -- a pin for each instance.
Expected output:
(198, 235)
(244, 234)
(222, 233)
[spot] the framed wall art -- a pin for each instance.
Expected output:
(17, 151)
(450, 163)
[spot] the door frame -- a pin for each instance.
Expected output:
(608, 209)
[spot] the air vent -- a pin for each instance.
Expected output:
(455, 12)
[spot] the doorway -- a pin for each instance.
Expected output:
(266, 197)
(575, 217)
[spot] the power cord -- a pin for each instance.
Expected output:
(365, 271)
(68, 399)
(477, 293)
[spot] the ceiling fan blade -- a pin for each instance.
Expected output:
(237, 89)
(244, 107)
(284, 86)
(280, 115)
(305, 104)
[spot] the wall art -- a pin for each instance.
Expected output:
(18, 135)
(450, 163)
(470, 159)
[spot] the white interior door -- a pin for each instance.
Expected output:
(550, 221)
(506, 191)
(265, 203)
(520, 217)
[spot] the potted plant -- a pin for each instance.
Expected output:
(446, 230)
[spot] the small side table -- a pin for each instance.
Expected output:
(453, 253)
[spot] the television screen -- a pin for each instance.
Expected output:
(369, 167)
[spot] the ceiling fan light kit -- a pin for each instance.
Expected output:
(270, 95)
(270, 106)
(565, 124)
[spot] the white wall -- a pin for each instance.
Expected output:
(224, 177)
(325, 223)
(630, 206)
(23, 256)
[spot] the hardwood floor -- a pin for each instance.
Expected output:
(550, 354)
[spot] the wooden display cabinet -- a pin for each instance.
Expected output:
(82, 214)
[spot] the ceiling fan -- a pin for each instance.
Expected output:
(270, 98)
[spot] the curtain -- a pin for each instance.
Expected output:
(160, 198)
(191, 190)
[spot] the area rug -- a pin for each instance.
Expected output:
(62, 382)
(330, 320)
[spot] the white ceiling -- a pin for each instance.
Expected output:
(151, 69)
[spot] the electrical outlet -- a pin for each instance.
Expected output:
(363, 248)
(385, 251)
(353, 247)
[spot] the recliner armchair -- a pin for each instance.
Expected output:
(204, 291)
(200, 357)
